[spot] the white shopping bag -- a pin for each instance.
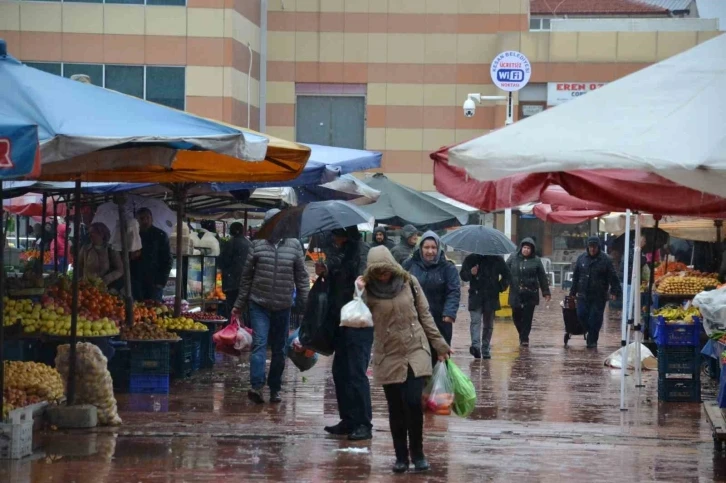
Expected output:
(355, 313)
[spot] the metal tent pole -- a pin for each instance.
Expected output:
(637, 314)
(2, 307)
(626, 306)
(74, 303)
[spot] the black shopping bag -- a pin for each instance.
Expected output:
(317, 328)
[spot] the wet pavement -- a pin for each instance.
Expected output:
(544, 413)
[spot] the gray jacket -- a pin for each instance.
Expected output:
(271, 275)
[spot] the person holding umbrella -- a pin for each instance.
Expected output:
(440, 282)
(528, 279)
(488, 276)
(344, 263)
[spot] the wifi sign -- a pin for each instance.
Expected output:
(511, 71)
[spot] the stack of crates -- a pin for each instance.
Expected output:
(119, 366)
(16, 434)
(182, 358)
(506, 311)
(150, 368)
(679, 360)
(20, 350)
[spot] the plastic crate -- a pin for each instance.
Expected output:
(181, 359)
(679, 390)
(119, 366)
(150, 358)
(678, 360)
(149, 384)
(20, 350)
(722, 390)
(16, 440)
(197, 355)
(208, 359)
(678, 334)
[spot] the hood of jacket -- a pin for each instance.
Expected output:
(407, 232)
(530, 242)
(380, 258)
(378, 230)
(418, 254)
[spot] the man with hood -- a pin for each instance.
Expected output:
(488, 276)
(344, 263)
(404, 249)
(274, 270)
(380, 238)
(594, 274)
(528, 279)
(440, 282)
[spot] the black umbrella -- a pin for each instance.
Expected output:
(306, 220)
(479, 239)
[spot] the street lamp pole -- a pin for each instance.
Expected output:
(476, 99)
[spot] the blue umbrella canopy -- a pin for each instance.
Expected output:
(90, 131)
(19, 154)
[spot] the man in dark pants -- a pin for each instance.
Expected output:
(150, 272)
(232, 261)
(352, 346)
(594, 274)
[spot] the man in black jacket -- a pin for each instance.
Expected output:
(404, 249)
(594, 274)
(232, 260)
(488, 276)
(150, 271)
(380, 238)
(343, 265)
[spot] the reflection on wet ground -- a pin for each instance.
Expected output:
(544, 413)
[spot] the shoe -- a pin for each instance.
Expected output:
(361, 433)
(524, 343)
(592, 346)
(421, 465)
(401, 466)
(339, 429)
(474, 351)
(255, 395)
(275, 397)
(486, 355)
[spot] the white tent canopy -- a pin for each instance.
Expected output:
(669, 119)
(696, 229)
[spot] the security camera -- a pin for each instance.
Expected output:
(469, 108)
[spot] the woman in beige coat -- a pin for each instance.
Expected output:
(403, 328)
(97, 259)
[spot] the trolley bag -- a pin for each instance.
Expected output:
(572, 321)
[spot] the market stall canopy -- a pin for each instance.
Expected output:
(400, 205)
(611, 190)
(19, 150)
(347, 187)
(100, 135)
(33, 208)
(669, 118)
(686, 228)
(566, 217)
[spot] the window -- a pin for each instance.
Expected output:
(128, 79)
(162, 85)
(94, 71)
(539, 24)
(165, 85)
(49, 67)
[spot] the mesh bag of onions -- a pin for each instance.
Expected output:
(93, 381)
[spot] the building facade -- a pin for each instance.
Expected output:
(386, 75)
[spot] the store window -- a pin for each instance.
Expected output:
(49, 67)
(128, 79)
(570, 237)
(538, 24)
(93, 71)
(165, 85)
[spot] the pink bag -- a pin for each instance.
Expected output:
(228, 335)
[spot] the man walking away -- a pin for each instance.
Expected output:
(404, 249)
(380, 238)
(273, 271)
(488, 276)
(594, 274)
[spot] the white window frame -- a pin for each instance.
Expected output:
(541, 22)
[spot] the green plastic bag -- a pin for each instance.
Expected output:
(464, 392)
